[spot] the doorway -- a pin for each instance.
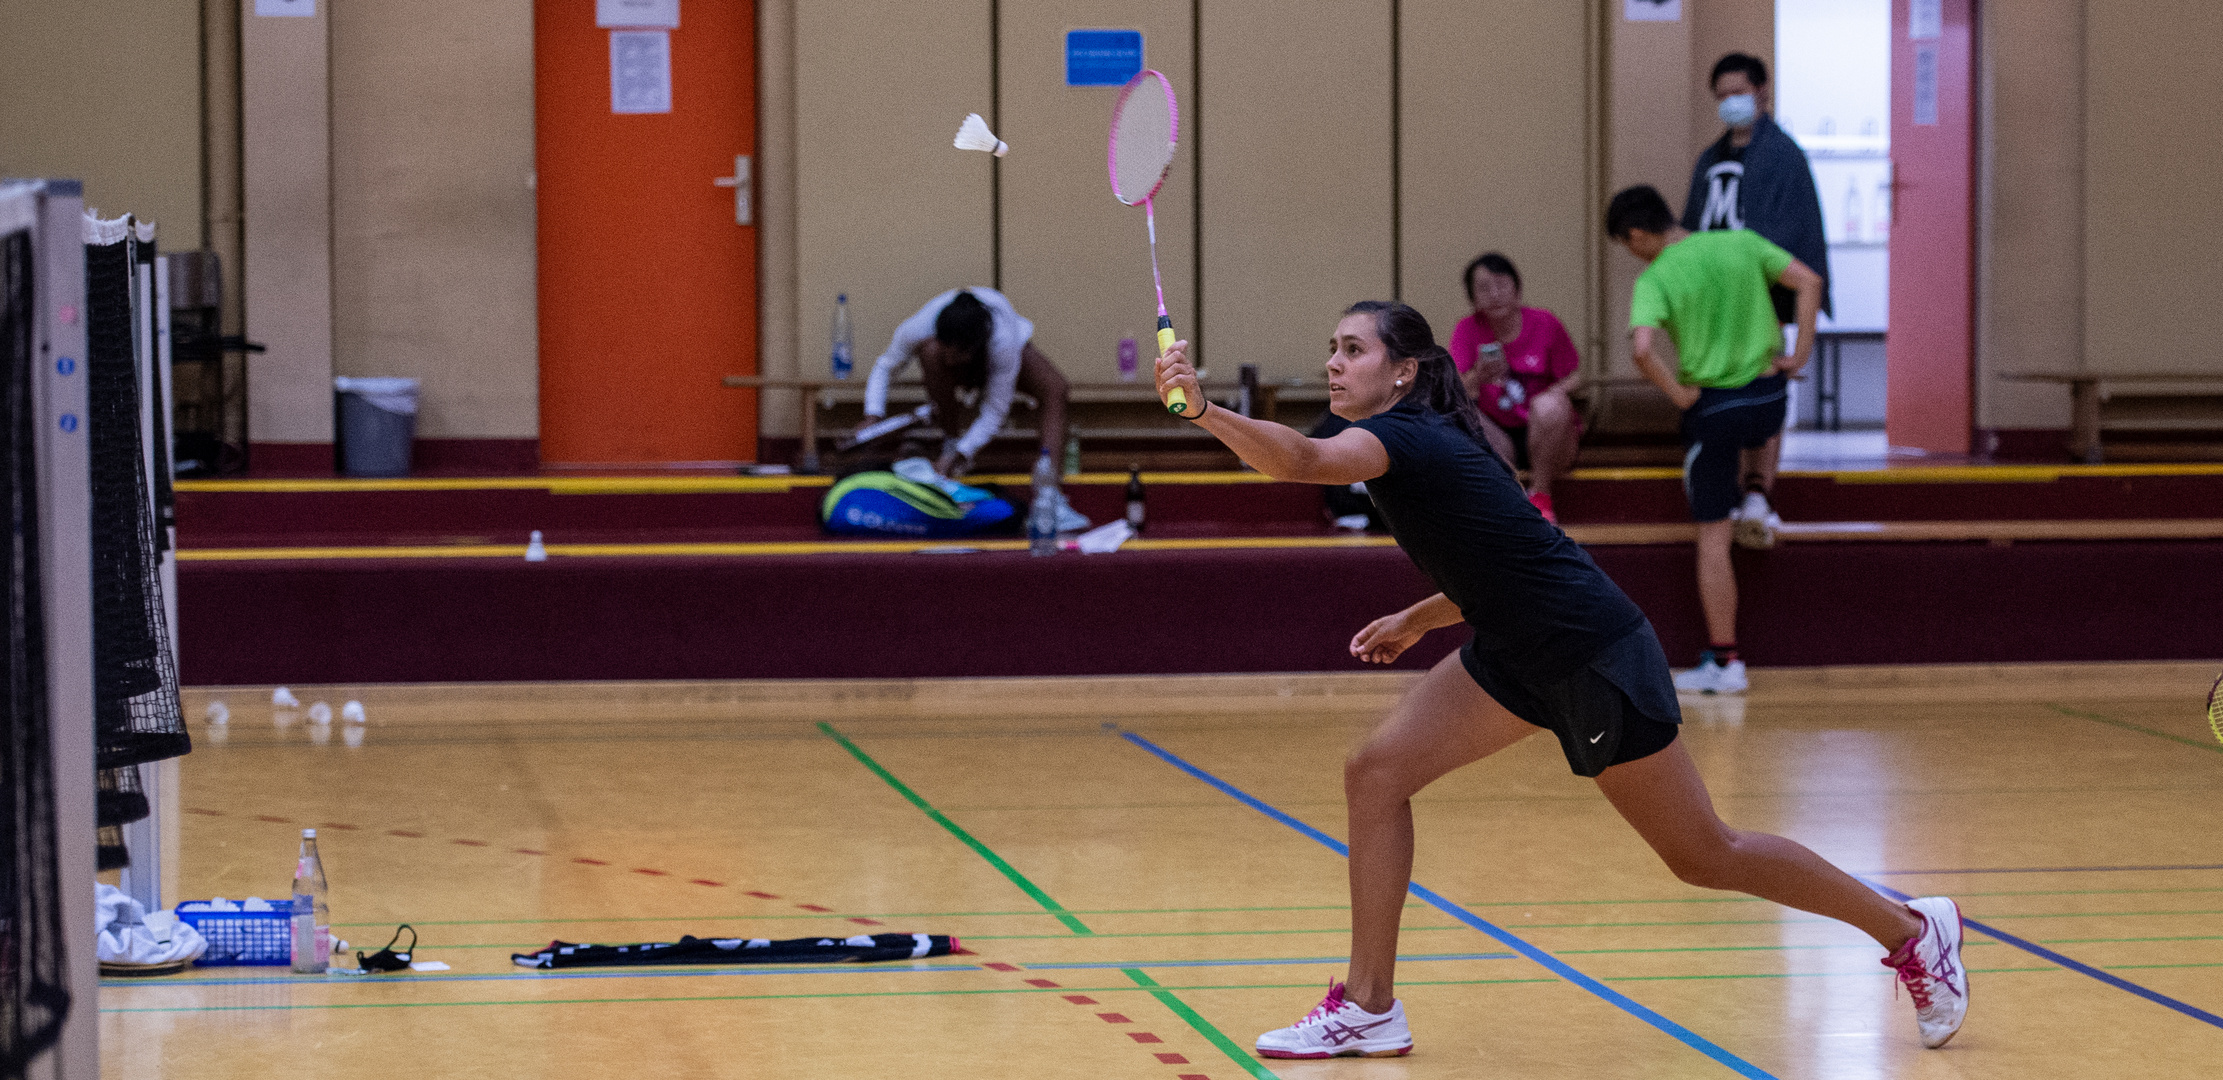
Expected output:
(643, 135)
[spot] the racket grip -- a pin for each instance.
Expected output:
(1177, 399)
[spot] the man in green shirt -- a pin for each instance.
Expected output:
(1709, 292)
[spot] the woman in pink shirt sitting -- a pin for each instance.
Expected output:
(1520, 365)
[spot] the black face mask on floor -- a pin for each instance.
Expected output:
(387, 959)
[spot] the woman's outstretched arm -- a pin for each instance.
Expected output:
(1352, 456)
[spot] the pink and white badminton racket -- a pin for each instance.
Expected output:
(1145, 123)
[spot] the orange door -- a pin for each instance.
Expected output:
(1929, 351)
(647, 282)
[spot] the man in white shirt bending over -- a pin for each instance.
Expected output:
(971, 339)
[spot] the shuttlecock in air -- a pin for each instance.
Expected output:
(219, 713)
(352, 712)
(973, 134)
(320, 713)
(284, 699)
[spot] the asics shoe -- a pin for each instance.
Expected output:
(1339, 1028)
(1929, 966)
(1711, 676)
(1757, 522)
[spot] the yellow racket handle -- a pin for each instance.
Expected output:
(1177, 399)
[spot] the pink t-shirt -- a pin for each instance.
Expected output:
(1542, 355)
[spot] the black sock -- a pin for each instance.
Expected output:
(1724, 654)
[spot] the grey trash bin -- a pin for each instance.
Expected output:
(376, 422)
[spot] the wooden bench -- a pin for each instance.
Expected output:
(2132, 402)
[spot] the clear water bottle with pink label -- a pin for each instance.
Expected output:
(312, 917)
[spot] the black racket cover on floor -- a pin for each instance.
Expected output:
(693, 950)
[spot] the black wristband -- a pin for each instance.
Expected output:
(1207, 407)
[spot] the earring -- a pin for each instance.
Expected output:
(1399, 382)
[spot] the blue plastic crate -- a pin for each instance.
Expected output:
(242, 938)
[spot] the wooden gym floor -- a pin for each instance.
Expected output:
(1129, 914)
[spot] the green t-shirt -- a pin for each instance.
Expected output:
(1709, 291)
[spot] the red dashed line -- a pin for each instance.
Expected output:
(1043, 983)
(651, 873)
(868, 922)
(706, 881)
(1144, 1037)
(1000, 967)
(762, 895)
(1192, 1076)
(1172, 1059)
(204, 813)
(813, 907)
(590, 862)
(527, 851)
(1080, 999)
(1113, 1018)
(471, 843)
(337, 825)
(273, 817)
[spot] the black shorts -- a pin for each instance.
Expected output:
(1716, 432)
(1618, 708)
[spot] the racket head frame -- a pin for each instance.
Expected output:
(2215, 708)
(1142, 83)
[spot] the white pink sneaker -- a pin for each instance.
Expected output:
(1339, 1028)
(1929, 966)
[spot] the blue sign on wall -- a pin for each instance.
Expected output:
(1102, 57)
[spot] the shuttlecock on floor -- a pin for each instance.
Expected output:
(284, 699)
(535, 551)
(219, 713)
(973, 134)
(320, 713)
(352, 712)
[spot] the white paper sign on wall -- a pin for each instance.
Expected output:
(301, 8)
(637, 14)
(640, 71)
(1652, 10)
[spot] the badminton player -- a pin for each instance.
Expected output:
(1556, 646)
(972, 339)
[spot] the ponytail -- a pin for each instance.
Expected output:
(1436, 385)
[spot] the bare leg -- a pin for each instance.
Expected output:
(1663, 797)
(1444, 721)
(1717, 580)
(1040, 379)
(1552, 439)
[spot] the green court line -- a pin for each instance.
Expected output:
(2198, 744)
(1203, 1027)
(1195, 1020)
(1010, 872)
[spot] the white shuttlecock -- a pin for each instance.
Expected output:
(320, 713)
(973, 134)
(284, 699)
(352, 735)
(352, 712)
(219, 713)
(535, 551)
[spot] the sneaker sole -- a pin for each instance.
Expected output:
(1285, 1055)
(1754, 534)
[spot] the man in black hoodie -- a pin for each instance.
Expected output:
(1756, 177)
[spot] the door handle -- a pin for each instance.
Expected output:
(739, 182)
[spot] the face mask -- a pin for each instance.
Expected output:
(1737, 110)
(387, 959)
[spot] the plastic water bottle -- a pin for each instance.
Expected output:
(1042, 513)
(1072, 455)
(312, 917)
(1135, 512)
(844, 341)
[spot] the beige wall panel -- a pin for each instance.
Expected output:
(1650, 141)
(1495, 154)
(432, 208)
(2031, 239)
(108, 92)
(284, 111)
(2153, 149)
(1296, 193)
(1717, 28)
(887, 210)
(1075, 260)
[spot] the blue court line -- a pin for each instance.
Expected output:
(1436, 900)
(2040, 951)
(1263, 963)
(2042, 870)
(535, 976)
